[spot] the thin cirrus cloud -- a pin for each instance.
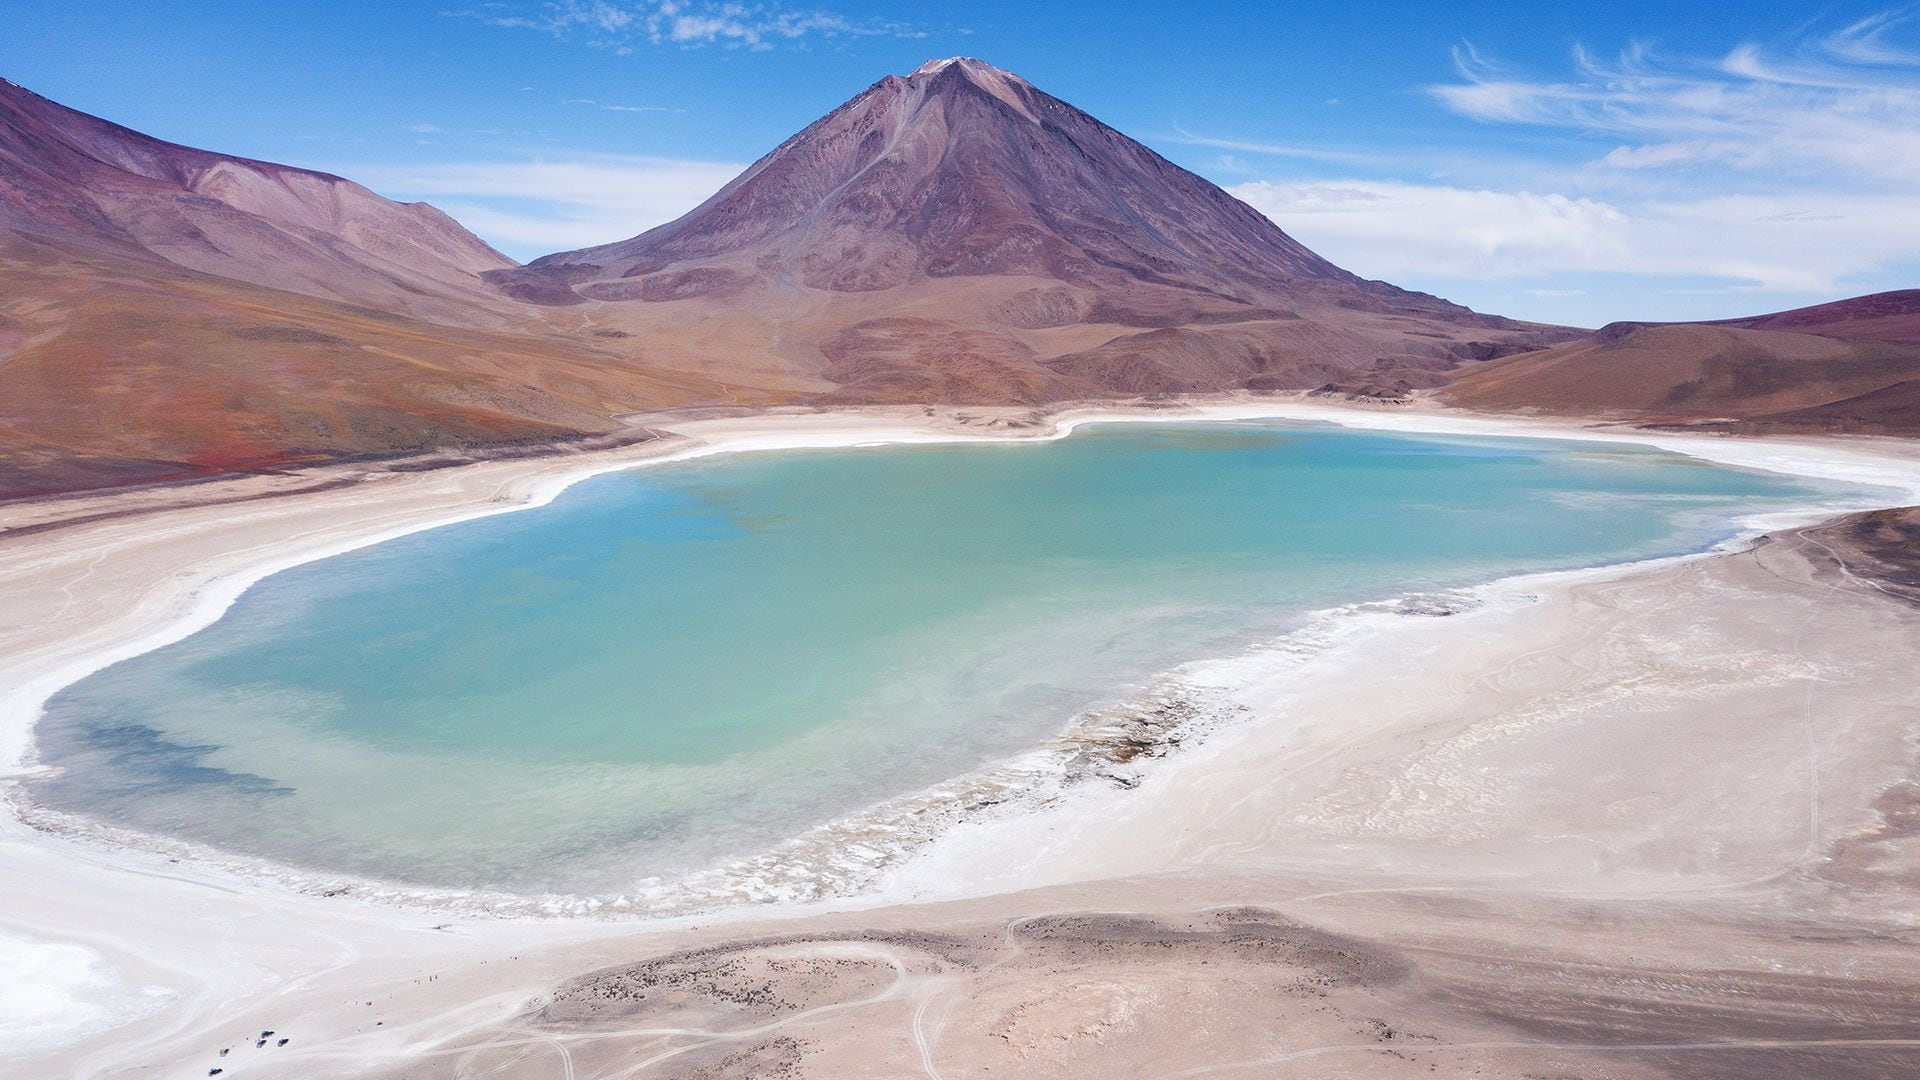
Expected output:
(1783, 170)
(1765, 242)
(1847, 101)
(1272, 149)
(531, 208)
(620, 26)
(610, 107)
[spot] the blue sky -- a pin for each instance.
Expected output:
(1628, 160)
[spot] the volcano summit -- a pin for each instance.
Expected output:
(959, 235)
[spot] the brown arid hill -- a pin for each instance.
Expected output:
(119, 371)
(82, 183)
(957, 235)
(167, 312)
(1852, 366)
(953, 236)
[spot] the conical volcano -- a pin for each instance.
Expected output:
(954, 235)
(958, 234)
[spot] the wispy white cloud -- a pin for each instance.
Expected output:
(529, 208)
(423, 129)
(1868, 40)
(623, 108)
(1275, 149)
(619, 24)
(1786, 169)
(1847, 100)
(1812, 243)
(1390, 228)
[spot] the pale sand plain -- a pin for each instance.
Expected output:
(1644, 821)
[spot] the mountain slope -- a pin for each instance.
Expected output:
(957, 234)
(1848, 366)
(167, 312)
(83, 183)
(117, 371)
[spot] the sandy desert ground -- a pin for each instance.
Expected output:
(1647, 821)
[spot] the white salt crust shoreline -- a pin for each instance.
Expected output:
(208, 601)
(937, 870)
(808, 871)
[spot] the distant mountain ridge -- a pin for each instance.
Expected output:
(1851, 366)
(78, 181)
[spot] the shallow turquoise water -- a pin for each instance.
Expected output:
(670, 667)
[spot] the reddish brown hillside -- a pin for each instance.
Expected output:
(1849, 366)
(120, 371)
(80, 182)
(169, 312)
(1887, 316)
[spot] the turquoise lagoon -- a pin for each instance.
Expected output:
(674, 667)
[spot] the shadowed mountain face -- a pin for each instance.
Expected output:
(1851, 366)
(959, 235)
